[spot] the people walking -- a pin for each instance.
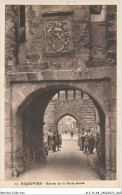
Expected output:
(72, 133)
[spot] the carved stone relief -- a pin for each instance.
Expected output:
(58, 36)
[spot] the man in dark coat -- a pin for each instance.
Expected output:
(91, 143)
(54, 138)
(97, 139)
(72, 133)
(82, 140)
(58, 140)
(50, 135)
(86, 146)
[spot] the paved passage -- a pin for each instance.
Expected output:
(69, 164)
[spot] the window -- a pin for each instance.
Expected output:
(21, 29)
(98, 13)
(95, 9)
(98, 26)
(22, 15)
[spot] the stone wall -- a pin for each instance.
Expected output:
(103, 39)
(82, 108)
(49, 118)
(77, 51)
(90, 44)
(11, 37)
(111, 26)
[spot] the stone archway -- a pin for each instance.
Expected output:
(40, 93)
(68, 114)
(75, 102)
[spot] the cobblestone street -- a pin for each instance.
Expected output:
(69, 164)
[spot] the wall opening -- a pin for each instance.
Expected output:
(32, 115)
(68, 124)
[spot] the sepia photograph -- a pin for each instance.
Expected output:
(60, 100)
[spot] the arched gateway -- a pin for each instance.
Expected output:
(62, 50)
(34, 98)
(67, 114)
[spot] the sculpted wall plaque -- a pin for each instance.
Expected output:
(58, 34)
